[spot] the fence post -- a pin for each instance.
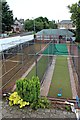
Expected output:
(36, 64)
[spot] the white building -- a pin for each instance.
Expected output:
(67, 24)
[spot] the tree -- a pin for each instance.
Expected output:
(39, 26)
(43, 21)
(40, 23)
(7, 17)
(75, 11)
(29, 25)
(52, 25)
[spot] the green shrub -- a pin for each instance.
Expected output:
(68, 108)
(41, 103)
(28, 89)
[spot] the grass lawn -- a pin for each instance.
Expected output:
(60, 79)
(41, 68)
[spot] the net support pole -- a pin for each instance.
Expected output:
(21, 55)
(48, 55)
(35, 57)
(3, 59)
(40, 42)
(36, 64)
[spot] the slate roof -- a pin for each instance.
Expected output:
(54, 32)
(65, 22)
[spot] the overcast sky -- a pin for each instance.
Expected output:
(52, 9)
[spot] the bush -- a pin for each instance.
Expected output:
(28, 92)
(41, 103)
(68, 108)
(28, 89)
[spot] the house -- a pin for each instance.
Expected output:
(18, 26)
(67, 24)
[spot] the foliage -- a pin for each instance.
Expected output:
(28, 89)
(41, 103)
(15, 99)
(75, 11)
(52, 24)
(40, 23)
(68, 108)
(7, 17)
(29, 25)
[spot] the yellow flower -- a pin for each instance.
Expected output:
(10, 103)
(16, 99)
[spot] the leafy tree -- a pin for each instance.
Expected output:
(29, 25)
(40, 23)
(75, 10)
(46, 19)
(7, 17)
(43, 21)
(52, 24)
(39, 26)
(46, 25)
(39, 19)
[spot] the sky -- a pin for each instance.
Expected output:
(30, 9)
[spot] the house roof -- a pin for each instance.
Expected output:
(65, 21)
(55, 32)
(17, 22)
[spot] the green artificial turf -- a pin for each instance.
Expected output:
(56, 49)
(41, 68)
(60, 79)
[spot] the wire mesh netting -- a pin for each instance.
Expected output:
(40, 67)
(51, 49)
(79, 67)
(56, 49)
(15, 61)
(75, 57)
(71, 50)
(79, 62)
(74, 52)
(46, 56)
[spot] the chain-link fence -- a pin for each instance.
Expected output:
(15, 61)
(75, 55)
(79, 70)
